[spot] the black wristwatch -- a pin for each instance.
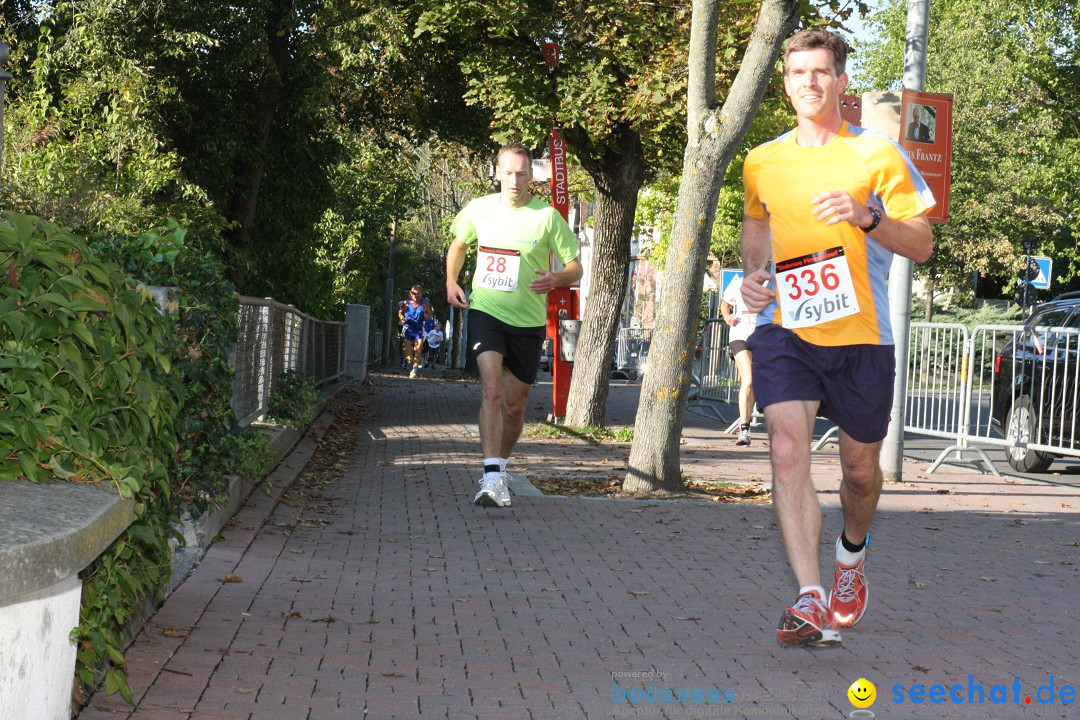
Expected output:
(873, 223)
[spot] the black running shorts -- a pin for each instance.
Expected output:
(519, 346)
(736, 346)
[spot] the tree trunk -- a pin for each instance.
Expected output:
(244, 204)
(618, 175)
(713, 136)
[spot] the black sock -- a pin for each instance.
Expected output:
(850, 546)
(493, 468)
(746, 426)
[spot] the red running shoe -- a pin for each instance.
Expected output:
(808, 622)
(847, 601)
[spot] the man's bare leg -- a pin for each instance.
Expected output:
(795, 502)
(514, 398)
(490, 364)
(860, 488)
(746, 388)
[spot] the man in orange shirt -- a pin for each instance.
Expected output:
(826, 206)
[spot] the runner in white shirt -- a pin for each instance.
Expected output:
(741, 324)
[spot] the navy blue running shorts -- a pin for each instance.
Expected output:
(519, 346)
(412, 333)
(854, 383)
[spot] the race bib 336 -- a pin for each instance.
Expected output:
(815, 289)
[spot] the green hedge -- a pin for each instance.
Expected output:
(88, 393)
(97, 385)
(211, 446)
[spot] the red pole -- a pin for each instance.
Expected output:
(562, 302)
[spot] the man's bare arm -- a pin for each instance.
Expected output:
(911, 238)
(756, 246)
(455, 260)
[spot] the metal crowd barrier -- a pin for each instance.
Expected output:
(631, 352)
(1026, 399)
(959, 387)
(938, 402)
(273, 337)
(997, 385)
(375, 347)
(717, 377)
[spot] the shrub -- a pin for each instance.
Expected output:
(211, 446)
(88, 394)
(294, 400)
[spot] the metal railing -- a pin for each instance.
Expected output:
(375, 347)
(273, 337)
(937, 367)
(939, 391)
(717, 376)
(961, 387)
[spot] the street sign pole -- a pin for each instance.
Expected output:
(892, 450)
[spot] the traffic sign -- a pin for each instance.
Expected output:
(726, 276)
(1038, 271)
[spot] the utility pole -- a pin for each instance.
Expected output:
(391, 315)
(892, 450)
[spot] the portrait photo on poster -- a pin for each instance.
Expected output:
(921, 123)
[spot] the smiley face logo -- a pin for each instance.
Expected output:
(862, 693)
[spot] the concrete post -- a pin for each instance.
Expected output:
(892, 451)
(357, 328)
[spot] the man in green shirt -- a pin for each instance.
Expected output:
(514, 233)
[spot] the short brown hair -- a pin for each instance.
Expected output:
(516, 149)
(819, 37)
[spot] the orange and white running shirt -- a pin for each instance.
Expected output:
(831, 281)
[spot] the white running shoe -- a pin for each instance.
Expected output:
(504, 491)
(489, 491)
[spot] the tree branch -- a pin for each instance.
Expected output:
(777, 19)
(701, 88)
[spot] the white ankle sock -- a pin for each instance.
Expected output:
(816, 588)
(845, 556)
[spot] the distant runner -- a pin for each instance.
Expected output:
(741, 323)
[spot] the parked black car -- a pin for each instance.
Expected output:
(1036, 382)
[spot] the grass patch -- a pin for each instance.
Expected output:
(589, 433)
(611, 486)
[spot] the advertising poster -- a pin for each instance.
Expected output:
(926, 135)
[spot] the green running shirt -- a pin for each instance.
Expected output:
(512, 244)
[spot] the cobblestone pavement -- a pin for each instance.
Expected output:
(374, 589)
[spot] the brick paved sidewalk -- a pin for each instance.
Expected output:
(383, 593)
